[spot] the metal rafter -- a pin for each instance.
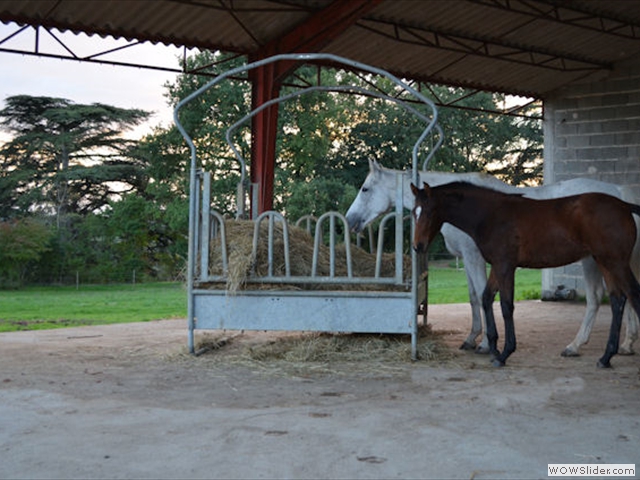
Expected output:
(71, 54)
(454, 41)
(572, 13)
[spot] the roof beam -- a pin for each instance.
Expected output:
(454, 41)
(569, 12)
(316, 32)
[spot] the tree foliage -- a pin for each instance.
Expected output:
(106, 206)
(22, 243)
(65, 157)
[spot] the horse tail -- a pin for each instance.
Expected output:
(635, 209)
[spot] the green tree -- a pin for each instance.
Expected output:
(206, 119)
(65, 157)
(64, 163)
(331, 136)
(22, 243)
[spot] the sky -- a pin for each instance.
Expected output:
(85, 83)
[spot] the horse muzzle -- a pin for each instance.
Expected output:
(420, 247)
(356, 224)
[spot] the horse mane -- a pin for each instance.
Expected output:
(470, 186)
(480, 179)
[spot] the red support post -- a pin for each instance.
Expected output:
(311, 36)
(264, 134)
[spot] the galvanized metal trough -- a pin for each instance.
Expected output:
(263, 303)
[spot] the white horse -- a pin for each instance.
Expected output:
(377, 195)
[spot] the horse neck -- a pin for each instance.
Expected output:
(389, 176)
(436, 179)
(463, 210)
(432, 178)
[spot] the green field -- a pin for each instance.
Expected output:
(53, 307)
(35, 308)
(449, 285)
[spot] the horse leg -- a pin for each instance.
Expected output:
(506, 283)
(460, 244)
(617, 307)
(488, 296)
(630, 317)
(476, 270)
(631, 323)
(594, 290)
(622, 285)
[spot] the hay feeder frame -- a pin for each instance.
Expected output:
(288, 309)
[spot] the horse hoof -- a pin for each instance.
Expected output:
(497, 363)
(626, 351)
(467, 346)
(603, 365)
(567, 352)
(482, 350)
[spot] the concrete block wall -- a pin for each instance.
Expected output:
(592, 130)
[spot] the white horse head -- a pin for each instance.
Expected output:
(375, 197)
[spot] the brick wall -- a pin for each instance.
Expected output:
(592, 130)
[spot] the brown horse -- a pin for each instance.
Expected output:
(512, 231)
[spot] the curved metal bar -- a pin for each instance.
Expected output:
(328, 88)
(380, 249)
(332, 216)
(223, 240)
(305, 57)
(307, 220)
(433, 150)
(271, 217)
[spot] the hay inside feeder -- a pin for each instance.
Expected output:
(242, 266)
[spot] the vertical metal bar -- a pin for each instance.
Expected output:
(381, 227)
(270, 247)
(254, 200)
(205, 230)
(285, 234)
(220, 232)
(316, 248)
(399, 225)
(347, 246)
(240, 201)
(191, 258)
(332, 246)
(198, 187)
(415, 278)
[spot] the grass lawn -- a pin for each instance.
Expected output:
(35, 308)
(449, 285)
(52, 307)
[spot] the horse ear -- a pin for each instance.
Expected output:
(414, 189)
(373, 165)
(427, 188)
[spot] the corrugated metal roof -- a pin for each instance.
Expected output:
(529, 47)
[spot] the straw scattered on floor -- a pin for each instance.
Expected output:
(326, 353)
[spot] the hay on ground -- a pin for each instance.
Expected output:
(316, 351)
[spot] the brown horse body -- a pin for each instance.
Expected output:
(512, 231)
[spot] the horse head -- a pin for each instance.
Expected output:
(372, 199)
(427, 226)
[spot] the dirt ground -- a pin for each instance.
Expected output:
(126, 401)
